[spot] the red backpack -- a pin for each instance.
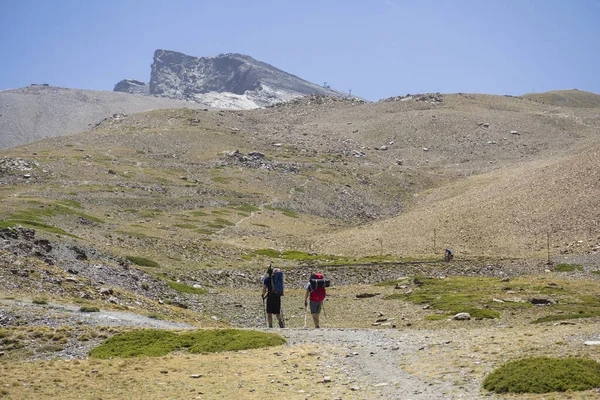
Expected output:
(317, 287)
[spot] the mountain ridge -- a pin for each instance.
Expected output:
(238, 76)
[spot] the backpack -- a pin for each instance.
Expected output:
(317, 287)
(277, 282)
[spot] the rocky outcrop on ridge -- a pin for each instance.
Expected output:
(225, 81)
(132, 86)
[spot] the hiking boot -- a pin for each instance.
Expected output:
(281, 324)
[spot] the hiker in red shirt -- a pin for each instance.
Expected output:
(315, 289)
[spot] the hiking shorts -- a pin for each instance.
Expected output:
(315, 307)
(273, 304)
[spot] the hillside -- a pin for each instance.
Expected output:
(167, 219)
(566, 98)
(38, 112)
(298, 175)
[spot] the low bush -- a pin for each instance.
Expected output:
(544, 375)
(183, 288)
(568, 267)
(156, 343)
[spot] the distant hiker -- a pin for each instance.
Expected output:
(315, 289)
(272, 292)
(448, 256)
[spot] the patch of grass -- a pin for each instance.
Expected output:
(205, 231)
(564, 317)
(70, 203)
(39, 300)
(199, 213)
(143, 262)
(272, 253)
(220, 212)
(247, 208)
(89, 309)
(544, 375)
(222, 221)
(436, 317)
(296, 255)
(156, 343)
(568, 267)
(183, 288)
(267, 226)
(394, 282)
(289, 213)
(455, 295)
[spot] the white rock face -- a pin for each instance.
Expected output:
(230, 80)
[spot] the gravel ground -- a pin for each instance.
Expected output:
(370, 359)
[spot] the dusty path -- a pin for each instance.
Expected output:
(371, 359)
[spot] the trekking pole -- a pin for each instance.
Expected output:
(265, 310)
(304, 315)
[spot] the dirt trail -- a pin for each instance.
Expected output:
(371, 359)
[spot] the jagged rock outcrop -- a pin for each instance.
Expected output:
(225, 81)
(132, 86)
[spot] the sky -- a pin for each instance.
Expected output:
(375, 48)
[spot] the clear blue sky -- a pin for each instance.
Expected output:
(377, 48)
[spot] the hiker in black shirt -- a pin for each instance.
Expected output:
(273, 298)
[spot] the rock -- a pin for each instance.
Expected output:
(327, 379)
(592, 343)
(514, 132)
(540, 302)
(462, 316)
(366, 295)
(196, 376)
(132, 86)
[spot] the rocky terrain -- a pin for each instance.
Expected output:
(230, 80)
(168, 219)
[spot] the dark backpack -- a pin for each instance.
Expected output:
(317, 287)
(277, 282)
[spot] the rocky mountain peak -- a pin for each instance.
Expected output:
(132, 86)
(229, 80)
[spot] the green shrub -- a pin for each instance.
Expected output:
(544, 375)
(40, 300)
(143, 262)
(568, 267)
(156, 343)
(183, 288)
